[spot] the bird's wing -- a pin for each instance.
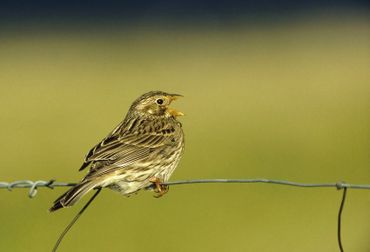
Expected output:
(108, 142)
(124, 147)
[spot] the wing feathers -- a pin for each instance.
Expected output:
(132, 140)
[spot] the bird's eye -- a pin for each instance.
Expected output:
(160, 101)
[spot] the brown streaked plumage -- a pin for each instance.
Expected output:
(143, 149)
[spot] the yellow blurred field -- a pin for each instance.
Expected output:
(286, 101)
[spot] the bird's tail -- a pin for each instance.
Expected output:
(73, 195)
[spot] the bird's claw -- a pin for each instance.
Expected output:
(159, 188)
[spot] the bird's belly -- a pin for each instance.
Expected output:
(139, 177)
(136, 177)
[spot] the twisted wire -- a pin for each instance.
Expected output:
(33, 185)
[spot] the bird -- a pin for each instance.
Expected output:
(141, 152)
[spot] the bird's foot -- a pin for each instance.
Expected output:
(159, 188)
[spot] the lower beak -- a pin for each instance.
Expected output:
(174, 113)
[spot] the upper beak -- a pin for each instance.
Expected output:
(173, 112)
(174, 97)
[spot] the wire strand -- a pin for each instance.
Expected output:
(74, 220)
(51, 184)
(340, 220)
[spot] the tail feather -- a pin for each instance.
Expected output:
(73, 195)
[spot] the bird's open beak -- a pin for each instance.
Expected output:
(171, 111)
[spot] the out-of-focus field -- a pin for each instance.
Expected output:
(283, 101)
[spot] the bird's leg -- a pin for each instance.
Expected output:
(159, 189)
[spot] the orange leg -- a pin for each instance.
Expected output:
(159, 189)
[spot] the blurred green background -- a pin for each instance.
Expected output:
(280, 100)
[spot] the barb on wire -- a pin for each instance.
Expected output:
(33, 185)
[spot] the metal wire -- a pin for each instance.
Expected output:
(51, 184)
(338, 185)
(75, 219)
(339, 230)
(33, 185)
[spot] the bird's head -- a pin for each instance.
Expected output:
(155, 103)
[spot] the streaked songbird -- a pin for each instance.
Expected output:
(143, 150)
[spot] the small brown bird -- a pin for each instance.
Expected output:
(144, 149)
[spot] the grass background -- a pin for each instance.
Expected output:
(288, 100)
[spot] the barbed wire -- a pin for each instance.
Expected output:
(33, 185)
(51, 184)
